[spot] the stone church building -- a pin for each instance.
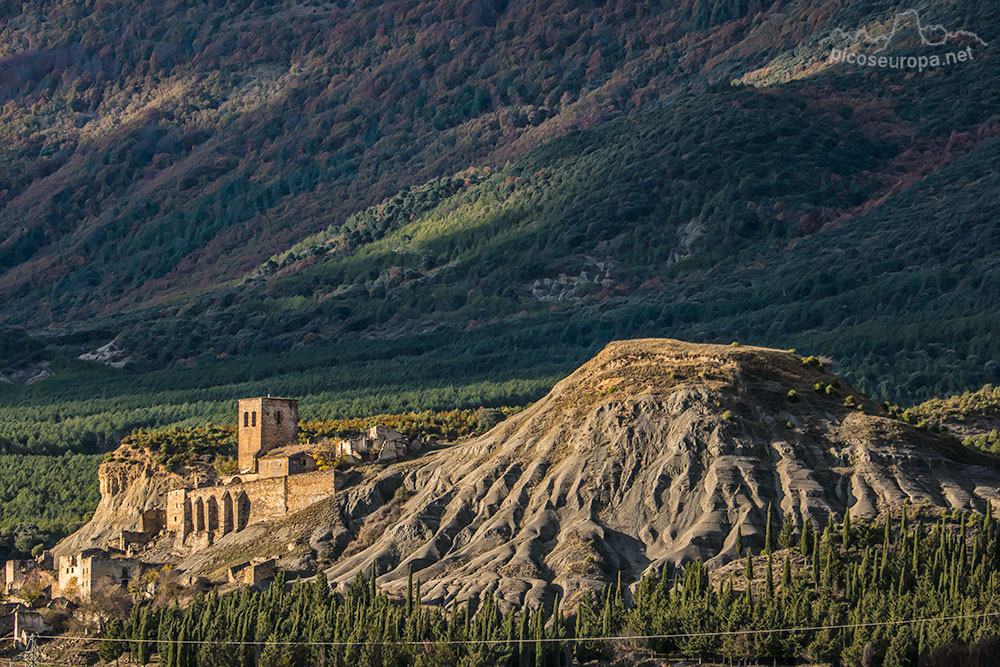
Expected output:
(277, 476)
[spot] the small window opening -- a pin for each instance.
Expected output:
(253, 418)
(246, 418)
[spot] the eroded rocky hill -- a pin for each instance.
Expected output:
(655, 450)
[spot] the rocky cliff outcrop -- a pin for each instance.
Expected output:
(129, 489)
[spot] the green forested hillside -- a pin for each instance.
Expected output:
(154, 149)
(394, 208)
(373, 330)
(44, 498)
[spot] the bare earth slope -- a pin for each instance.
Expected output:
(655, 450)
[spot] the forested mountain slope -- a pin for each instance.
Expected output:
(382, 207)
(158, 148)
(155, 148)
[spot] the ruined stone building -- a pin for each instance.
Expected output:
(129, 541)
(263, 425)
(82, 574)
(15, 574)
(379, 443)
(253, 572)
(276, 477)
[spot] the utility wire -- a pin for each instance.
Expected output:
(563, 640)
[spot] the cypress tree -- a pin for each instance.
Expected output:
(769, 577)
(787, 535)
(556, 618)
(409, 590)
(884, 562)
(805, 538)
(539, 636)
(963, 539)
(522, 638)
(468, 617)
(815, 557)
(143, 653)
(767, 531)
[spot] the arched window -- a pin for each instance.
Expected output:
(246, 418)
(277, 416)
(253, 419)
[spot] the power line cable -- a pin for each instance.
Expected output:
(466, 642)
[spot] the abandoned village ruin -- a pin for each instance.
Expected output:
(276, 476)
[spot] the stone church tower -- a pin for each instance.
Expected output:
(264, 424)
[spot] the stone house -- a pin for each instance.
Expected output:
(379, 443)
(87, 571)
(253, 572)
(15, 573)
(285, 461)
